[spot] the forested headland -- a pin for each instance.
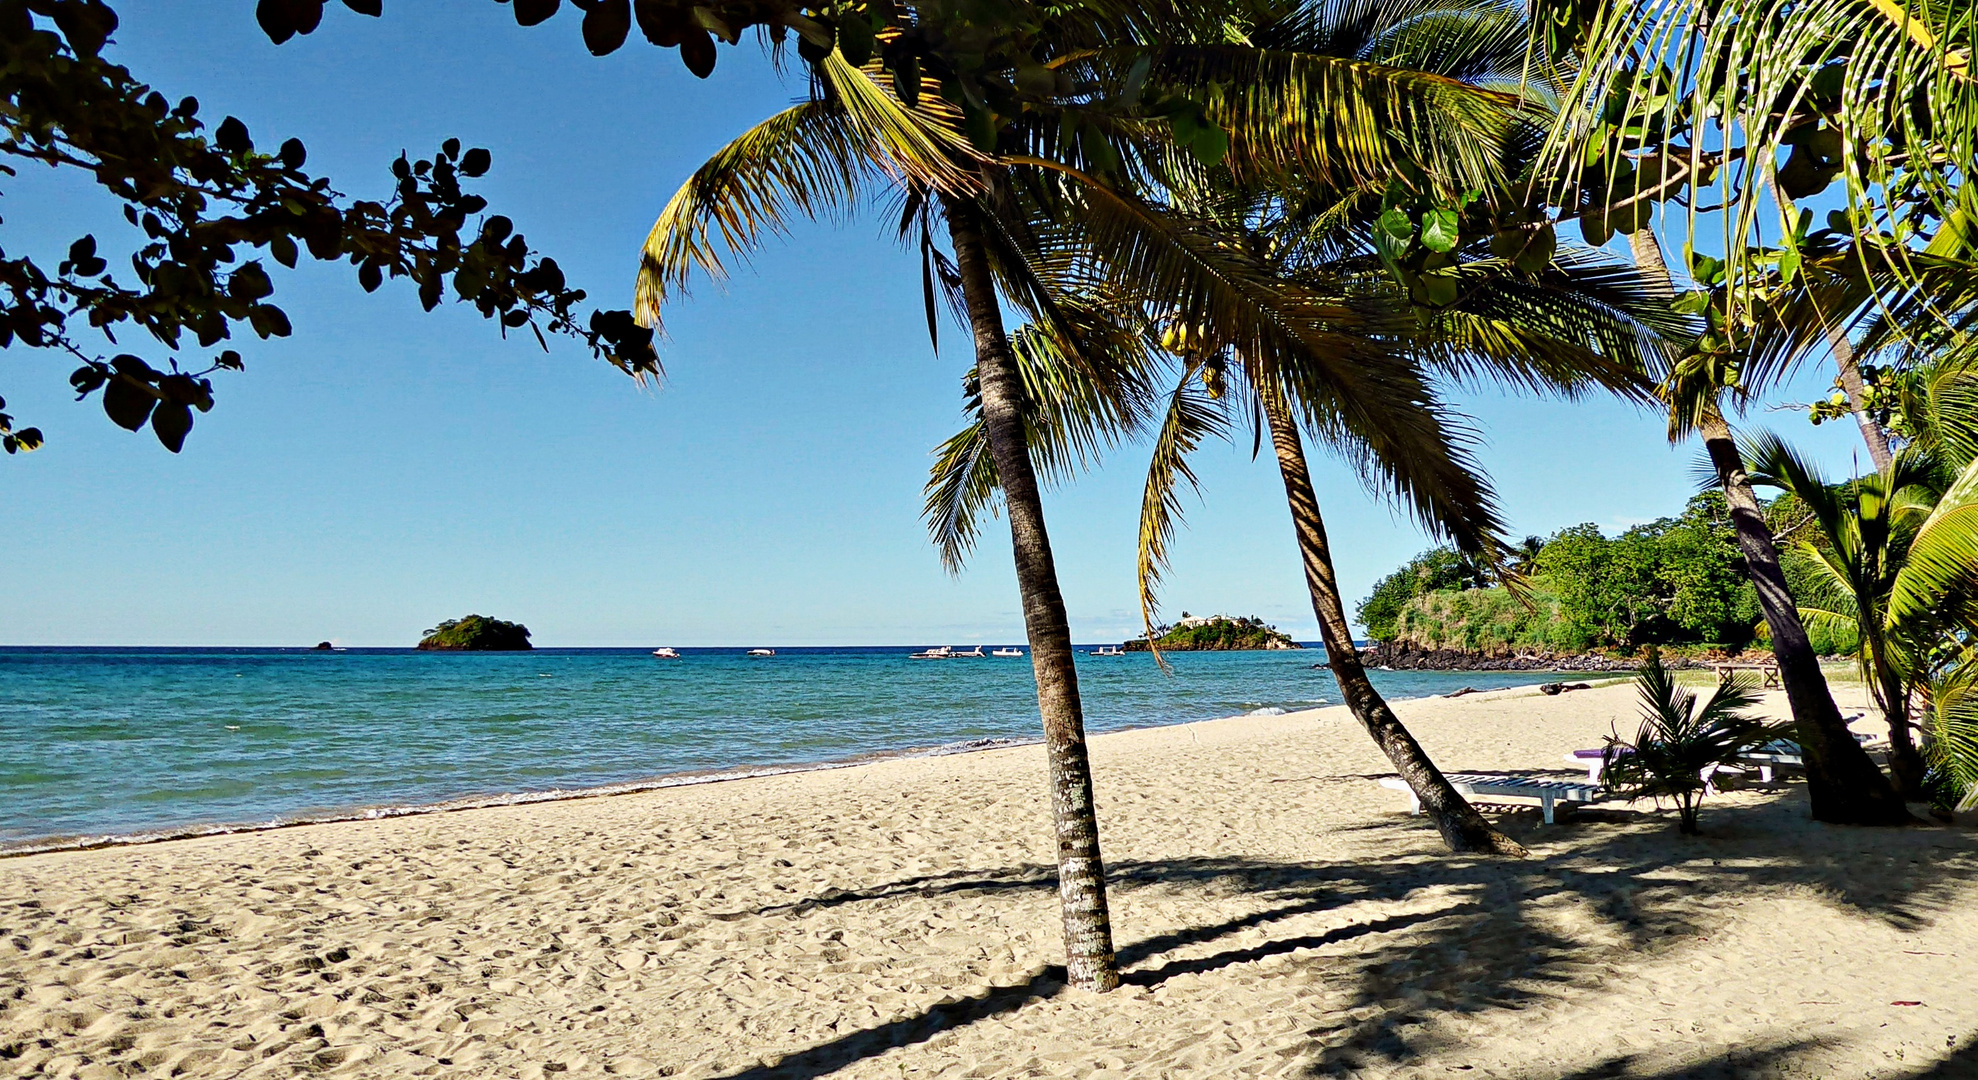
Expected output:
(1678, 583)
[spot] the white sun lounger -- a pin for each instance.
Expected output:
(1547, 792)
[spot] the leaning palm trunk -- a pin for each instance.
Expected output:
(1462, 828)
(1089, 958)
(1845, 786)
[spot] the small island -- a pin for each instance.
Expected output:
(477, 633)
(1215, 633)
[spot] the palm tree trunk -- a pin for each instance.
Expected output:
(1905, 762)
(1089, 960)
(1462, 828)
(1871, 432)
(1845, 786)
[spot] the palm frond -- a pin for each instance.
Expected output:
(1938, 583)
(1192, 417)
(802, 161)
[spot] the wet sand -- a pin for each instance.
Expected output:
(1277, 913)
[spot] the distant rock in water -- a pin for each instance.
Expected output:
(324, 646)
(477, 633)
(1216, 633)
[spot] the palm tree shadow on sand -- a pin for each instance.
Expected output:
(1478, 937)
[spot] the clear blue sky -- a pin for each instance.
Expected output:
(385, 468)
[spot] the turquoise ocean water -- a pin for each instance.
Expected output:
(99, 742)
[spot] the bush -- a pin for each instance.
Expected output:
(1679, 741)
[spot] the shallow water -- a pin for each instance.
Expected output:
(111, 742)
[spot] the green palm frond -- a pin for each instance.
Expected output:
(961, 487)
(1070, 420)
(1192, 417)
(922, 144)
(1951, 720)
(1938, 584)
(1749, 78)
(801, 162)
(1346, 122)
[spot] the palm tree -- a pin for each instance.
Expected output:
(1880, 95)
(1556, 327)
(1844, 785)
(1035, 176)
(1866, 529)
(1679, 742)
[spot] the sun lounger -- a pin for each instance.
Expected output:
(1595, 762)
(1547, 792)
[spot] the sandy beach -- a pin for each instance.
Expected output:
(1277, 914)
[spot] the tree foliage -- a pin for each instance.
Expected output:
(1676, 580)
(1219, 633)
(476, 633)
(212, 213)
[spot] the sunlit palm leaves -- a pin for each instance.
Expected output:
(1794, 93)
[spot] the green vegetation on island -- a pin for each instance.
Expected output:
(477, 633)
(1677, 581)
(1215, 633)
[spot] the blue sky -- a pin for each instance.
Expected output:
(385, 468)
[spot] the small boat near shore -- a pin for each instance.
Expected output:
(948, 652)
(1107, 650)
(665, 653)
(762, 652)
(1006, 652)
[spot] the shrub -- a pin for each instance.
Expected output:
(1679, 741)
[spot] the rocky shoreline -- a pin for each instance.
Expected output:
(1405, 659)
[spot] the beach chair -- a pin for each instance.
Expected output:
(1491, 786)
(1595, 762)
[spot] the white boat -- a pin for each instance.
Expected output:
(975, 654)
(665, 653)
(1006, 652)
(939, 652)
(762, 652)
(1109, 650)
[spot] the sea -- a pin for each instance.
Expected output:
(116, 745)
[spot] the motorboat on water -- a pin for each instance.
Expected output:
(665, 653)
(1108, 650)
(973, 654)
(1006, 652)
(938, 652)
(762, 652)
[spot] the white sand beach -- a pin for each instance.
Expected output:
(1277, 914)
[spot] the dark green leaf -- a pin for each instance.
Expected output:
(171, 421)
(854, 39)
(697, 52)
(531, 12)
(663, 24)
(906, 80)
(127, 405)
(606, 26)
(232, 136)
